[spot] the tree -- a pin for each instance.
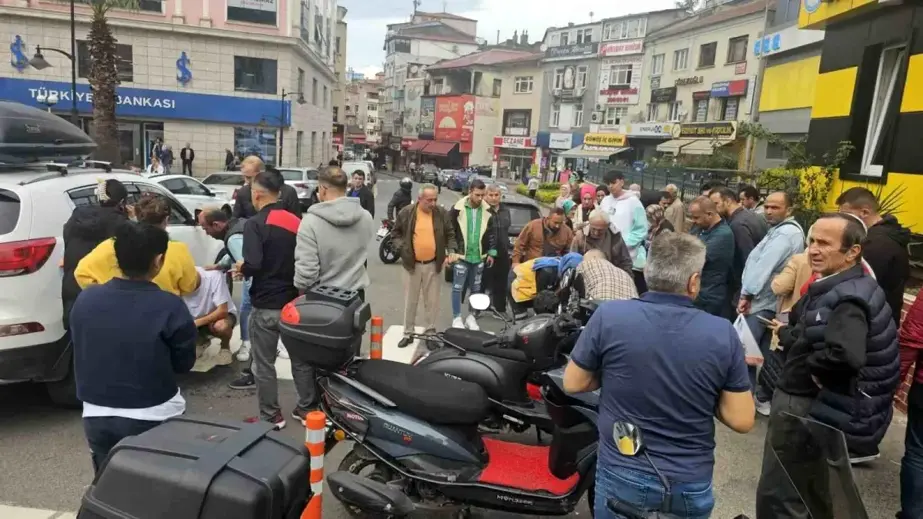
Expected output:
(104, 78)
(687, 5)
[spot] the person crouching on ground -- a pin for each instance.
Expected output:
(130, 340)
(214, 312)
(476, 235)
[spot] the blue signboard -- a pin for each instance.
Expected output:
(769, 43)
(157, 105)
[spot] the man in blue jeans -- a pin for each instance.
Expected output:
(669, 369)
(476, 233)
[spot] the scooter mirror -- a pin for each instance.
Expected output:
(479, 301)
(627, 438)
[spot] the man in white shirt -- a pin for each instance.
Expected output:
(214, 312)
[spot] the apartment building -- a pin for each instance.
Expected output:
(226, 75)
(363, 118)
(339, 66)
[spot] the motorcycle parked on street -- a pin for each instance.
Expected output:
(386, 251)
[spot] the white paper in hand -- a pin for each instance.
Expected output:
(752, 353)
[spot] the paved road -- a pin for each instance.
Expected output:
(44, 461)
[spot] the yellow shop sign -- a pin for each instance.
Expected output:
(611, 140)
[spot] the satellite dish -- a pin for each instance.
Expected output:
(414, 69)
(543, 47)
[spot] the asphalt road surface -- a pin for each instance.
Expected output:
(44, 461)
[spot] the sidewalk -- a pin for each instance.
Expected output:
(16, 512)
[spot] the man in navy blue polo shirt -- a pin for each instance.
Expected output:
(669, 369)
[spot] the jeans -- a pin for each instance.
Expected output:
(763, 337)
(104, 432)
(645, 492)
(912, 463)
(264, 326)
(465, 277)
(245, 308)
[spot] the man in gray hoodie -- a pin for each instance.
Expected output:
(333, 238)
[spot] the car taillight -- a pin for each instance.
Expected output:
(24, 257)
(10, 330)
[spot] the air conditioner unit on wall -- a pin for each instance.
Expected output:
(596, 117)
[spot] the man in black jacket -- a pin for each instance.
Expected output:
(885, 248)
(186, 156)
(244, 208)
(401, 198)
(842, 361)
(498, 274)
(87, 227)
(362, 192)
(749, 229)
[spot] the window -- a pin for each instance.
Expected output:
(325, 96)
(565, 38)
(776, 151)
(437, 86)
(256, 141)
(701, 110)
(336, 114)
(517, 123)
(299, 145)
(652, 112)
(676, 108)
(584, 35)
(522, 85)
(707, 54)
(243, 12)
(886, 88)
(555, 116)
(620, 75)
(313, 147)
(300, 85)
(558, 78)
(578, 116)
(737, 49)
(314, 93)
(337, 45)
(255, 75)
(123, 61)
(615, 115)
(323, 143)
(729, 107)
(626, 29)
(582, 74)
(498, 87)
(680, 59)
(657, 65)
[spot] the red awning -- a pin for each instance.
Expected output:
(440, 148)
(418, 145)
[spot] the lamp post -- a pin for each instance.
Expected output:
(50, 99)
(39, 62)
(300, 100)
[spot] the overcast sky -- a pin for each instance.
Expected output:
(367, 20)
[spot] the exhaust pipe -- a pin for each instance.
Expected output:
(369, 495)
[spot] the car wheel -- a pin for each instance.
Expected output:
(63, 393)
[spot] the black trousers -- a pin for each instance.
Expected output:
(104, 433)
(498, 281)
(640, 282)
(187, 166)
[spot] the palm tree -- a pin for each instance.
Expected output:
(104, 77)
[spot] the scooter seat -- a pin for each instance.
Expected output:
(428, 395)
(483, 342)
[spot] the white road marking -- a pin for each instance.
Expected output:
(18, 512)
(389, 349)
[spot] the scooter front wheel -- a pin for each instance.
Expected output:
(386, 252)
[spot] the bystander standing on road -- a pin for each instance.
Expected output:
(629, 350)
(587, 203)
(359, 190)
(673, 208)
(598, 279)
(599, 235)
(166, 158)
(250, 167)
(748, 229)
(750, 199)
(542, 237)
(758, 302)
(885, 249)
(533, 186)
(186, 156)
(269, 259)
(911, 343)
(842, 361)
(425, 237)
(476, 235)
(627, 216)
(333, 239)
(130, 340)
(719, 258)
(497, 276)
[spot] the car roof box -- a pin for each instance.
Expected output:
(29, 135)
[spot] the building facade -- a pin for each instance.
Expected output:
(339, 68)
(515, 141)
(211, 75)
(363, 118)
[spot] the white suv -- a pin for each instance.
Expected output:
(34, 205)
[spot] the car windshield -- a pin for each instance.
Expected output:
(311, 174)
(9, 211)
(429, 168)
(226, 179)
(520, 215)
(293, 175)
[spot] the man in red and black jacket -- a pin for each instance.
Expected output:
(911, 341)
(269, 260)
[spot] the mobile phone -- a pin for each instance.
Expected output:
(765, 321)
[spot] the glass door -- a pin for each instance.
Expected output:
(152, 132)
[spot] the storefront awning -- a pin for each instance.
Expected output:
(418, 145)
(690, 146)
(581, 152)
(440, 148)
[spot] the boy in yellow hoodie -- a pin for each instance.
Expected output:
(178, 275)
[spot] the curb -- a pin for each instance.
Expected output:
(18, 512)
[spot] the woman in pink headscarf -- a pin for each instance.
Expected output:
(587, 204)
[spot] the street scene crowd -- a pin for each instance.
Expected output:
(723, 308)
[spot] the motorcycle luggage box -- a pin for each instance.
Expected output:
(324, 327)
(29, 134)
(190, 468)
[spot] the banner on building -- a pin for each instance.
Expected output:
(560, 141)
(253, 11)
(514, 142)
(620, 81)
(454, 118)
(721, 131)
(427, 114)
(621, 48)
(610, 140)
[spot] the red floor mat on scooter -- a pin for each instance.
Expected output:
(523, 467)
(534, 391)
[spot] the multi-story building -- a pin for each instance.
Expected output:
(363, 119)
(700, 73)
(220, 76)
(339, 69)
(409, 48)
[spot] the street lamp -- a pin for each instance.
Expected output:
(39, 62)
(48, 99)
(300, 100)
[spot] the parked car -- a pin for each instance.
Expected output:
(194, 195)
(458, 180)
(225, 183)
(428, 173)
(304, 180)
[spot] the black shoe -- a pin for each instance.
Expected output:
(300, 414)
(245, 381)
(404, 342)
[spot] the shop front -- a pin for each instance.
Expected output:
(699, 138)
(645, 137)
(598, 151)
(553, 144)
(247, 125)
(513, 156)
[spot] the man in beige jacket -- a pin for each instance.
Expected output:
(673, 208)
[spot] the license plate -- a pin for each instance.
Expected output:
(382, 232)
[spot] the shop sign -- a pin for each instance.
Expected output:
(579, 50)
(735, 88)
(406, 143)
(722, 131)
(621, 48)
(619, 96)
(701, 95)
(252, 11)
(785, 40)
(694, 80)
(663, 95)
(649, 129)
(455, 118)
(514, 142)
(605, 140)
(740, 68)
(156, 105)
(560, 141)
(811, 6)
(427, 114)
(337, 139)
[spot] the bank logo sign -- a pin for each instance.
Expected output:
(811, 6)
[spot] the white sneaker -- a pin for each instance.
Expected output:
(224, 358)
(243, 354)
(763, 408)
(458, 323)
(281, 351)
(471, 323)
